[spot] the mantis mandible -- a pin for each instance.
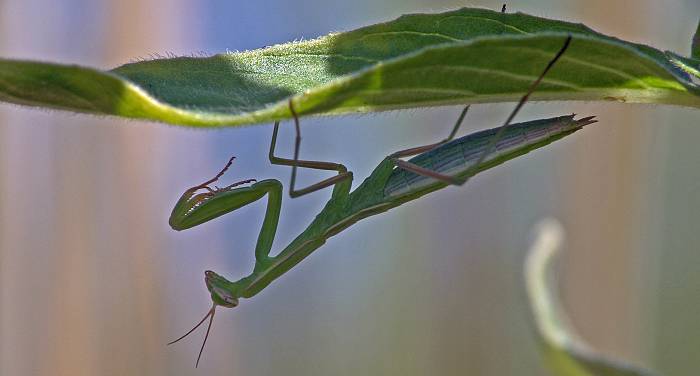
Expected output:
(392, 183)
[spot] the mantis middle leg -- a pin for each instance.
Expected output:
(343, 173)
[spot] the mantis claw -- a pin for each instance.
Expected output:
(216, 189)
(191, 200)
(221, 173)
(234, 185)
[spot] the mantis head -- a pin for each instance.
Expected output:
(221, 296)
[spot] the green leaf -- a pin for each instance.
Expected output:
(458, 57)
(564, 351)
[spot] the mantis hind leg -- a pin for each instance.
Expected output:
(395, 157)
(408, 166)
(343, 173)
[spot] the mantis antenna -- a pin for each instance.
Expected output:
(209, 315)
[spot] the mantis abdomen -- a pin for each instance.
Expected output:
(457, 157)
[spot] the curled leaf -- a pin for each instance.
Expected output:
(565, 352)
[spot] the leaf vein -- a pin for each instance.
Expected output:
(487, 19)
(361, 58)
(506, 74)
(424, 89)
(419, 33)
(585, 63)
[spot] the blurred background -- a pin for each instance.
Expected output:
(94, 282)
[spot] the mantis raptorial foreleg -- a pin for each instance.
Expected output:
(191, 199)
(200, 208)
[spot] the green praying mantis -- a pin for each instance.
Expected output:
(392, 183)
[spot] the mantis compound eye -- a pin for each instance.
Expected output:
(216, 285)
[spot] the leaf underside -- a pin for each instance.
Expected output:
(458, 57)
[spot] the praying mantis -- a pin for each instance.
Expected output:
(392, 183)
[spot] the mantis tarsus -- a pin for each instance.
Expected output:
(392, 183)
